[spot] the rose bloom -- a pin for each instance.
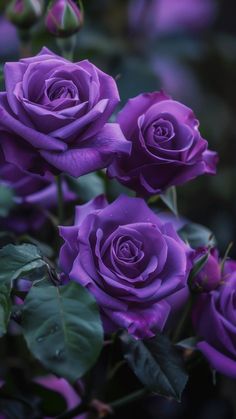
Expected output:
(54, 113)
(167, 147)
(214, 319)
(32, 195)
(128, 259)
(154, 17)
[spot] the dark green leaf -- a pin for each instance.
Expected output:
(16, 409)
(18, 260)
(63, 329)
(197, 235)
(5, 307)
(115, 189)
(170, 199)
(86, 187)
(6, 200)
(156, 363)
(198, 266)
(43, 247)
(52, 403)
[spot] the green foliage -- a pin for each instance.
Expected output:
(5, 307)
(169, 198)
(86, 187)
(156, 363)
(197, 235)
(16, 261)
(52, 403)
(62, 328)
(198, 266)
(6, 200)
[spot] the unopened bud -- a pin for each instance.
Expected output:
(24, 13)
(64, 17)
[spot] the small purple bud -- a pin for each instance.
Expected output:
(64, 17)
(24, 13)
(210, 275)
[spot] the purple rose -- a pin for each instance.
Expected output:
(155, 17)
(128, 259)
(214, 319)
(167, 147)
(32, 196)
(54, 113)
(209, 276)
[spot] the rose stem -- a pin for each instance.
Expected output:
(67, 46)
(184, 319)
(60, 201)
(116, 404)
(77, 410)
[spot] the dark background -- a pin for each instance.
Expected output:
(197, 67)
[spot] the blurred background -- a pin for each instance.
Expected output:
(187, 48)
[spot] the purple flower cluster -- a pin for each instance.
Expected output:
(54, 118)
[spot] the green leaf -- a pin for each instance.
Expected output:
(52, 403)
(170, 199)
(197, 235)
(115, 189)
(189, 343)
(87, 187)
(62, 328)
(5, 307)
(6, 200)
(198, 266)
(156, 363)
(16, 409)
(43, 247)
(16, 261)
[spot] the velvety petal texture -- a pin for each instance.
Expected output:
(33, 195)
(128, 259)
(167, 148)
(54, 114)
(214, 319)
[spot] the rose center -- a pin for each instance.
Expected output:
(127, 249)
(62, 90)
(162, 130)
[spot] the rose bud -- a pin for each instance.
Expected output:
(24, 13)
(209, 277)
(64, 18)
